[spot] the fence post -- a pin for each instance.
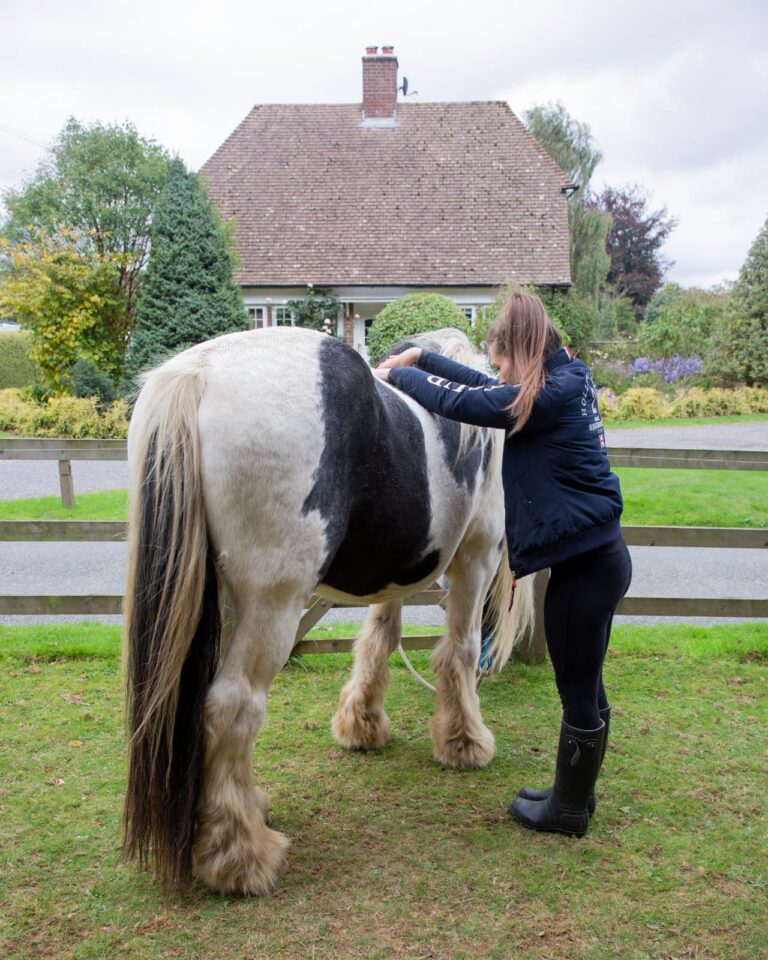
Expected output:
(534, 648)
(67, 486)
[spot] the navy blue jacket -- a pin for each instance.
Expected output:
(560, 496)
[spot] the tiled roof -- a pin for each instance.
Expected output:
(455, 193)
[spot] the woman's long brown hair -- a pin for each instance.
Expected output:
(524, 333)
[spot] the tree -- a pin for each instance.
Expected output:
(634, 242)
(65, 295)
(101, 184)
(739, 351)
(188, 294)
(569, 142)
(680, 321)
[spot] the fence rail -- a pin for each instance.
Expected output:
(116, 531)
(92, 531)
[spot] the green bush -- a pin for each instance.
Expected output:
(412, 314)
(717, 402)
(642, 403)
(86, 380)
(61, 416)
(17, 369)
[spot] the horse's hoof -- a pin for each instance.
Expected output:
(249, 866)
(359, 729)
(465, 753)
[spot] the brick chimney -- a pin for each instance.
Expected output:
(379, 87)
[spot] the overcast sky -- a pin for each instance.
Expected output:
(674, 91)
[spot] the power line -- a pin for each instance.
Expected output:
(21, 136)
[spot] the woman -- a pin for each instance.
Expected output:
(562, 507)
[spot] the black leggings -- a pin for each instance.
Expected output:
(582, 595)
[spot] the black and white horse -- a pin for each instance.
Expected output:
(265, 467)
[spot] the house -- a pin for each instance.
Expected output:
(376, 199)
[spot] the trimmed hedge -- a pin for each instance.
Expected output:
(409, 315)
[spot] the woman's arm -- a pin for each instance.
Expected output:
(436, 363)
(483, 406)
(451, 370)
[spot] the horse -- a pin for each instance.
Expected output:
(266, 466)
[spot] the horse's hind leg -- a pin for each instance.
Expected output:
(460, 739)
(235, 850)
(360, 722)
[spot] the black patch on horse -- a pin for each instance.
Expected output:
(464, 470)
(371, 486)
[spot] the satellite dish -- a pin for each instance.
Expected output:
(404, 86)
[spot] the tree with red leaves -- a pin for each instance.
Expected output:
(634, 243)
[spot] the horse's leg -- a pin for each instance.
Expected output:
(360, 722)
(459, 737)
(235, 851)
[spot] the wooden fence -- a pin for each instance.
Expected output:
(646, 536)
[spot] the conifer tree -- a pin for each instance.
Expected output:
(188, 294)
(740, 350)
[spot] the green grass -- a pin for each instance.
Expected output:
(699, 498)
(694, 498)
(392, 855)
(105, 505)
(687, 421)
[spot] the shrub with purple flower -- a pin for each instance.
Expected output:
(671, 369)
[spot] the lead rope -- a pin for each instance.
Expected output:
(481, 672)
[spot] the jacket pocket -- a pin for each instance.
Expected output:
(524, 509)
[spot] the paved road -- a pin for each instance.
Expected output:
(99, 567)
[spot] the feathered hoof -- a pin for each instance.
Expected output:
(463, 752)
(357, 729)
(246, 864)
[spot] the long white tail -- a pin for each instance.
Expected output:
(172, 624)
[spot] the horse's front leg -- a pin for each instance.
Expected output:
(360, 722)
(460, 739)
(235, 851)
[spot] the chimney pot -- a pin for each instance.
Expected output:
(371, 51)
(387, 51)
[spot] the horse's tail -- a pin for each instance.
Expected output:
(509, 625)
(172, 624)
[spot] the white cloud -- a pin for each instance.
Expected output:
(675, 93)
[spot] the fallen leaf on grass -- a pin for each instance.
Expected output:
(75, 743)
(55, 781)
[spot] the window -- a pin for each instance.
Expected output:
(469, 313)
(258, 317)
(283, 317)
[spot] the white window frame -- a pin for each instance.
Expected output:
(285, 313)
(257, 314)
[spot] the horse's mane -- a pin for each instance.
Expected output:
(455, 345)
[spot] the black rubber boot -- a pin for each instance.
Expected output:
(579, 755)
(526, 793)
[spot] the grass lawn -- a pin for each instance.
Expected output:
(394, 857)
(698, 498)
(687, 421)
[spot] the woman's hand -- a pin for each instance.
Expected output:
(408, 358)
